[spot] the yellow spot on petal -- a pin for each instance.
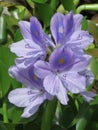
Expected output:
(61, 60)
(34, 77)
(60, 29)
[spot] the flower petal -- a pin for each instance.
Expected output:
(68, 24)
(51, 84)
(29, 111)
(42, 69)
(36, 29)
(62, 94)
(33, 107)
(88, 75)
(80, 39)
(81, 64)
(26, 76)
(29, 98)
(61, 58)
(74, 82)
(22, 97)
(77, 21)
(57, 27)
(25, 29)
(19, 48)
(88, 96)
(27, 48)
(54, 86)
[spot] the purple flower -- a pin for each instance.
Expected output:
(46, 69)
(88, 75)
(61, 73)
(66, 30)
(35, 43)
(88, 95)
(30, 97)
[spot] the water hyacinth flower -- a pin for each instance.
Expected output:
(35, 43)
(31, 96)
(66, 30)
(88, 95)
(51, 73)
(61, 73)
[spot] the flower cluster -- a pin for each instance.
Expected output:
(51, 65)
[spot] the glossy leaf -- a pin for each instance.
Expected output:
(94, 66)
(2, 126)
(68, 5)
(6, 60)
(42, 14)
(93, 29)
(93, 52)
(67, 115)
(18, 36)
(95, 101)
(12, 23)
(84, 23)
(48, 114)
(40, 1)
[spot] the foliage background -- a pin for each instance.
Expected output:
(77, 115)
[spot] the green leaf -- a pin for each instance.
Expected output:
(94, 126)
(68, 5)
(48, 114)
(95, 101)
(93, 29)
(6, 60)
(93, 52)
(18, 36)
(40, 1)
(65, 118)
(11, 23)
(2, 126)
(84, 117)
(44, 12)
(1, 9)
(6, 126)
(84, 23)
(19, 12)
(94, 66)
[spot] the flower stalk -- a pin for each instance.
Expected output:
(5, 118)
(93, 7)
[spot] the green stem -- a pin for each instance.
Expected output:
(93, 7)
(5, 118)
